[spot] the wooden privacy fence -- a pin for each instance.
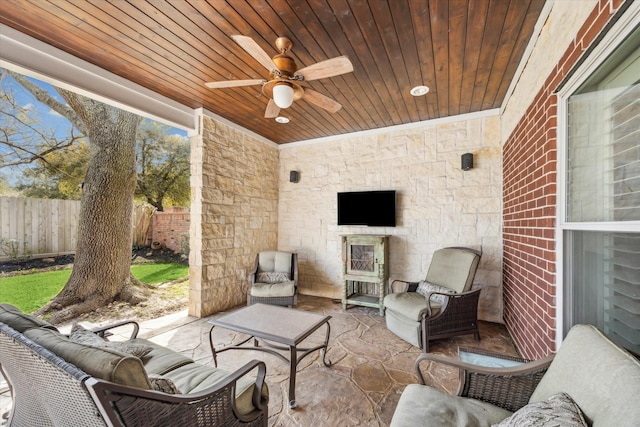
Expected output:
(38, 227)
(43, 228)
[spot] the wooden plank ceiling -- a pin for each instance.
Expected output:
(466, 51)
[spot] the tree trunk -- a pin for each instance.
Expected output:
(101, 270)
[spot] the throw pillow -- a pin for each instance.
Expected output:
(163, 384)
(425, 287)
(82, 335)
(273, 277)
(558, 410)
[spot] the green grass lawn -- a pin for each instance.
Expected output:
(31, 291)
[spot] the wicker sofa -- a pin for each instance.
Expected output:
(55, 381)
(602, 379)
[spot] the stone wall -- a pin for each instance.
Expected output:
(234, 213)
(530, 173)
(438, 204)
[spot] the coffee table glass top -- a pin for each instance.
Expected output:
(280, 324)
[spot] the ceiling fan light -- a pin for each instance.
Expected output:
(283, 95)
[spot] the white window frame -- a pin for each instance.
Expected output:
(612, 39)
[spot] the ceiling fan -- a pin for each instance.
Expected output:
(284, 85)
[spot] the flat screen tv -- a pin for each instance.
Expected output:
(371, 208)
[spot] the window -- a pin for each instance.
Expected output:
(600, 220)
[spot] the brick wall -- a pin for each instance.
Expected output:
(167, 227)
(529, 191)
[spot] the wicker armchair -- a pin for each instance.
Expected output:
(419, 318)
(479, 389)
(507, 387)
(274, 279)
(598, 376)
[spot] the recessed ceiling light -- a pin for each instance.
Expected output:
(281, 119)
(419, 90)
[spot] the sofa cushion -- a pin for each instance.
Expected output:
(16, 319)
(557, 411)
(410, 304)
(85, 336)
(421, 406)
(107, 364)
(602, 378)
(163, 384)
(194, 378)
(160, 360)
(265, 290)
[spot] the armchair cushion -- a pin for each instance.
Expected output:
(419, 406)
(410, 304)
(273, 277)
(266, 290)
(453, 268)
(424, 288)
(602, 378)
(558, 410)
(274, 261)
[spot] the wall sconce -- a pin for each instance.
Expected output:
(467, 161)
(294, 176)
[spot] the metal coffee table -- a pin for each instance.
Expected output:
(268, 324)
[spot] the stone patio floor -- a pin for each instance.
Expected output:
(370, 365)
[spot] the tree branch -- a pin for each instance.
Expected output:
(44, 97)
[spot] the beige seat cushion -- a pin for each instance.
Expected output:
(600, 377)
(274, 261)
(421, 406)
(194, 378)
(107, 364)
(409, 304)
(284, 289)
(161, 360)
(453, 268)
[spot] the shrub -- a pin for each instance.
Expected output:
(12, 248)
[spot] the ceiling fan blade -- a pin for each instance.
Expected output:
(272, 110)
(321, 101)
(234, 83)
(328, 68)
(253, 49)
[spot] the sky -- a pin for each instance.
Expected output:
(50, 119)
